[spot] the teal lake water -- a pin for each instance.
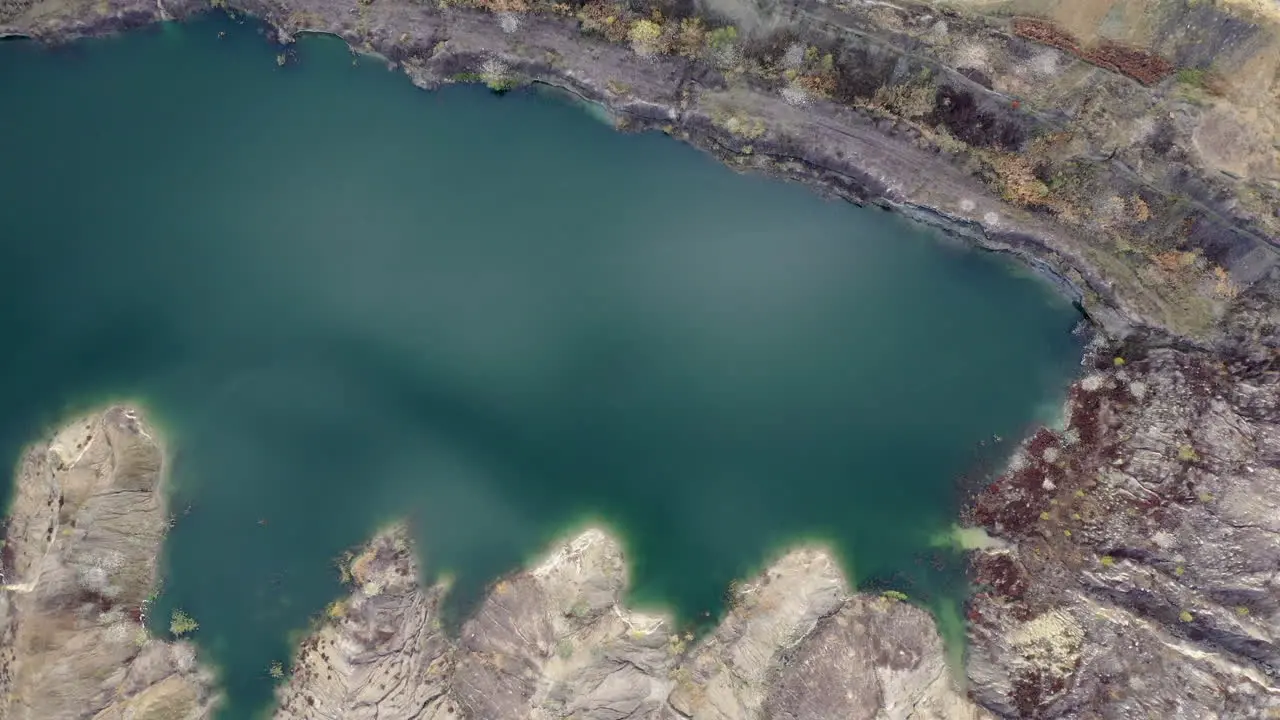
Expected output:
(347, 300)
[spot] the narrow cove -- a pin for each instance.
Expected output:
(348, 301)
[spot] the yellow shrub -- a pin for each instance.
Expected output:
(645, 36)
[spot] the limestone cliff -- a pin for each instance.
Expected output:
(1138, 578)
(556, 642)
(78, 564)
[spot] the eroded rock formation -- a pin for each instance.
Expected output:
(79, 562)
(557, 642)
(1138, 576)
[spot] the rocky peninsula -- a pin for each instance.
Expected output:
(78, 565)
(556, 642)
(1128, 150)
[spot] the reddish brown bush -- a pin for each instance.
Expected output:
(1141, 65)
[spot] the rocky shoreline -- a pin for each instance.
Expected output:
(853, 150)
(1140, 577)
(1138, 571)
(1137, 576)
(556, 641)
(79, 563)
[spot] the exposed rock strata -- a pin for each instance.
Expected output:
(79, 562)
(556, 642)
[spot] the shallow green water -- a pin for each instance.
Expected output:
(347, 300)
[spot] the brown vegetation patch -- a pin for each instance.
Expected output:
(1091, 414)
(690, 39)
(824, 85)
(1015, 501)
(1054, 471)
(1145, 67)
(1000, 575)
(1141, 65)
(961, 114)
(603, 18)
(1034, 689)
(1018, 181)
(911, 101)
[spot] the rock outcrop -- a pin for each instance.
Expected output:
(556, 642)
(1143, 576)
(78, 564)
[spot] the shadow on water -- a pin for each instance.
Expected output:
(347, 302)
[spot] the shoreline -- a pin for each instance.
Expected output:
(566, 621)
(641, 616)
(972, 232)
(990, 225)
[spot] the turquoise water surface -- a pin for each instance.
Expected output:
(346, 301)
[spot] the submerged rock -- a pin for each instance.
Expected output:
(79, 562)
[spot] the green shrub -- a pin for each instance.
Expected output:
(1194, 77)
(722, 38)
(181, 624)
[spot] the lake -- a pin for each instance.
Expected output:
(347, 301)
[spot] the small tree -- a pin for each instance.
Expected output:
(496, 75)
